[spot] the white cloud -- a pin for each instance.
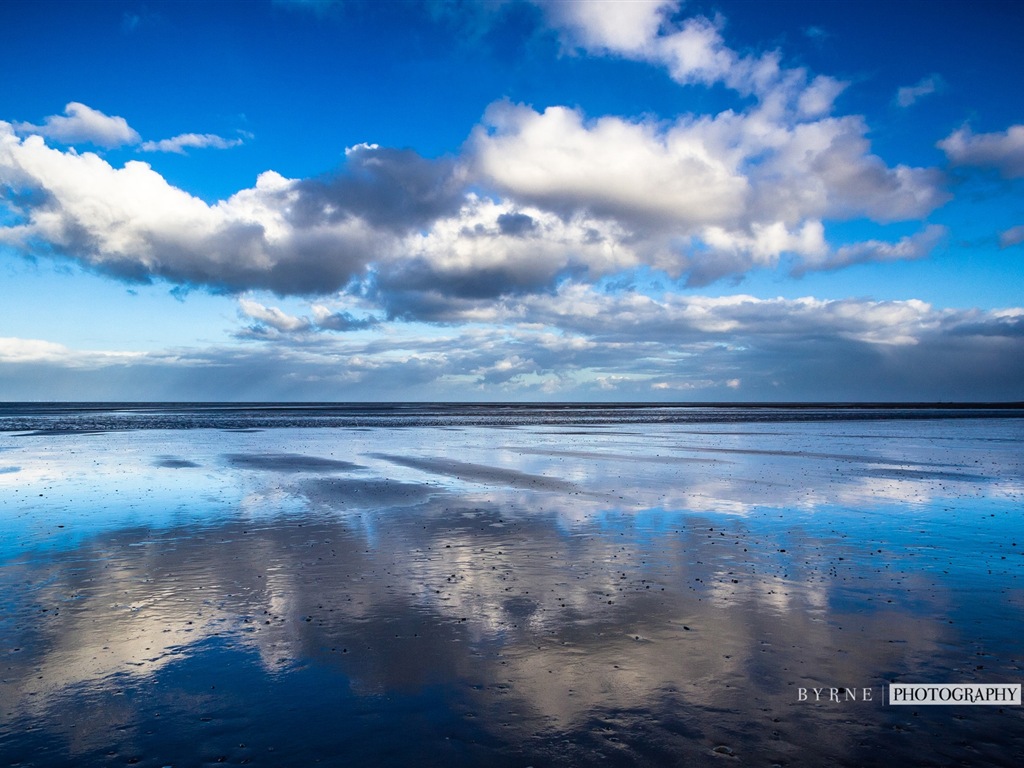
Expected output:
(697, 53)
(82, 124)
(714, 195)
(620, 26)
(13, 350)
(178, 144)
(708, 196)
(489, 248)
(910, 94)
(273, 316)
(693, 51)
(130, 222)
(817, 98)
(702, 197)
(1003, 151)
(698, 319)
(825, 169)
(612, 166)
(534, 198)
(274, 323)
(910, 248)
(1012, 236)
(731, 169)
(16, 350)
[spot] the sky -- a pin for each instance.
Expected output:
(543, 200)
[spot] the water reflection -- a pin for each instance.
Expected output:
(325, 593)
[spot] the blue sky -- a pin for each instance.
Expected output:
(512, 201)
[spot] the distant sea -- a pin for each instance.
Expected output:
(88, 417)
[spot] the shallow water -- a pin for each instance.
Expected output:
(516, 594)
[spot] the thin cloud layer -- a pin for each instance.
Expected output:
(178, 144)
(1012, 236)
(30, 351)
(909, 95)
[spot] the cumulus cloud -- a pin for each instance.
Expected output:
(473, 254)
(910, 94)
(693, 50)
(534, 198)
(1002, 150)
(130, 222)
(82, 124)
(178, 144)
(619, 26)
(711, 196)
(608, 167)
(736, 252)
(733, 192)
(728, 170)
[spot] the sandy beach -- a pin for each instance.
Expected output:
(513, 595)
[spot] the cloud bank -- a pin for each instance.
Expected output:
(578, 343)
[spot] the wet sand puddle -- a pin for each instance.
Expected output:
(643, 595)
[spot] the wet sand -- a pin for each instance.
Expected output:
(645, 594)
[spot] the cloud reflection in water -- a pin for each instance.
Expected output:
(324, 598)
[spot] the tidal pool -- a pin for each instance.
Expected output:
(524, 595)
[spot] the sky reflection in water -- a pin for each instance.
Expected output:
(522, 596)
